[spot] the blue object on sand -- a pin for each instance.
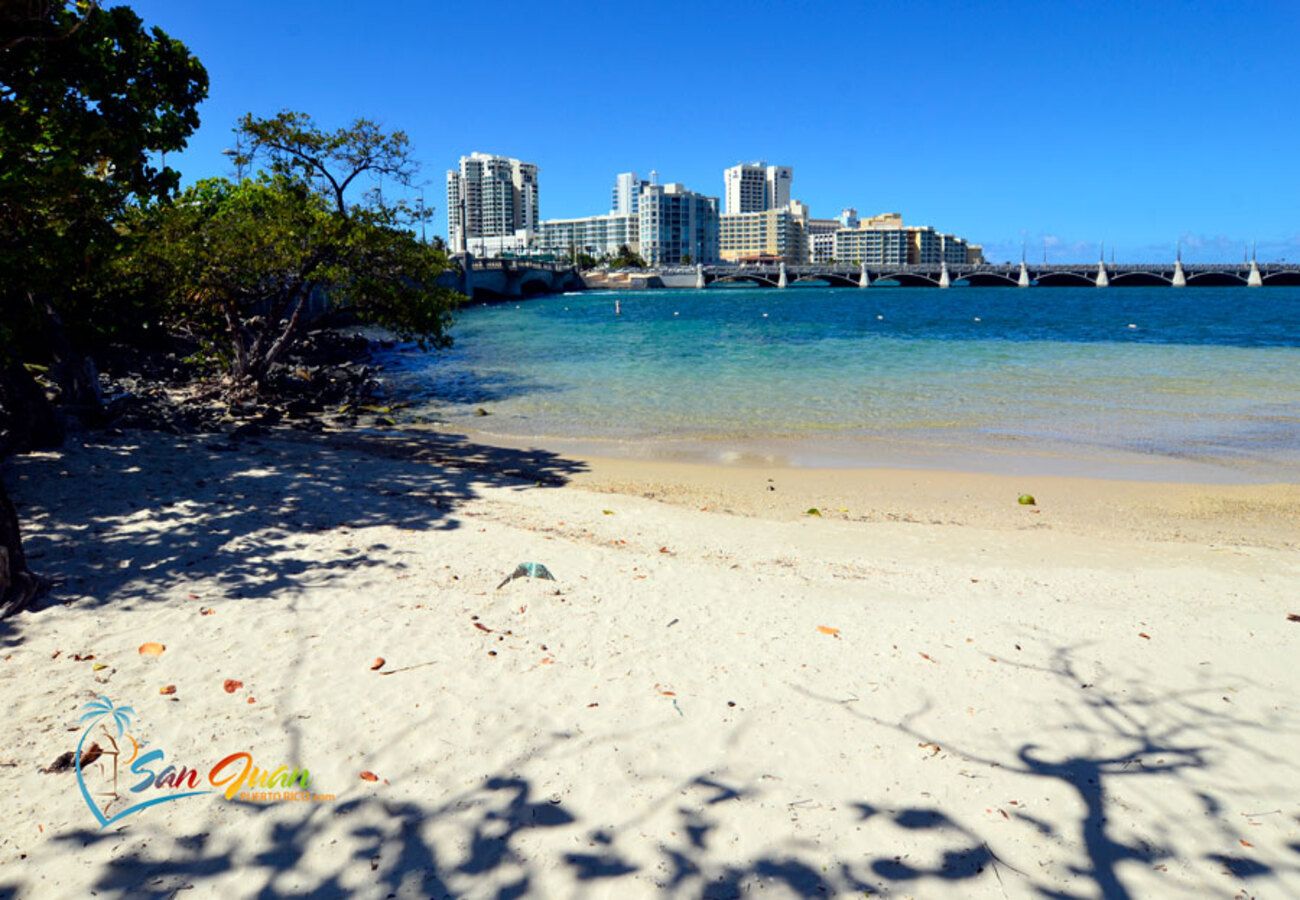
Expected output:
(527, 570)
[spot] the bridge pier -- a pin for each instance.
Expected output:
(1180, 277)
(1254, 279)
(699, 277)
(1103, 280)
(1023, 281)
(944, 280)
(781, 280)
(864, 280)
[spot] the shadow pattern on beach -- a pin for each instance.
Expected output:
(139, 514)
(484, 842)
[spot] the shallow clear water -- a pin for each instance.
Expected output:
(837, 374)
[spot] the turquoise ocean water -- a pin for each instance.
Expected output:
(1141, 382)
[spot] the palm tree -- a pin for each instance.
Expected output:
(96, 710)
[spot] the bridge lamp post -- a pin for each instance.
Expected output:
(234, 155)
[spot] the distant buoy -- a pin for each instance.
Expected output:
(977, 319)
(1131, 325)
(880, 318)
(618, 310)
(764, 315)
(675, 313)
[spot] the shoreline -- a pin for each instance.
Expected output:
(1009, 455)
(1265, 515)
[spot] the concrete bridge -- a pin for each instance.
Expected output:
(941, 275)
(505, 279)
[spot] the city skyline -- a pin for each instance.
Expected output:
(1131, 127)
(493, 204)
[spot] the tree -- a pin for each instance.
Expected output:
(626, 259)
(686, 259)
(238, 263)
(86, 95)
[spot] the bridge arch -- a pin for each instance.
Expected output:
(1139, 279)
(907, 279)
(1065, 279)
(753, 279)
(989, 279)
(532, 286)
(1282, 278)
(827, 278)
(1215, 279)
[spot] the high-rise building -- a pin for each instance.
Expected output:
(754, 187)
(677, 226)
(773, 235)
(492, 204)
(625, 199)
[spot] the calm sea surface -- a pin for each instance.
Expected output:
(1142, 382)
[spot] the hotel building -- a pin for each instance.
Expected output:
(773, 235)
(677, 226)
(492, 204)
(754, 187)
(871, 246)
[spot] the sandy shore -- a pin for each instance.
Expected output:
(926, 690)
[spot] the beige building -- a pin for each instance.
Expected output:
(769, 235)
(928, 247)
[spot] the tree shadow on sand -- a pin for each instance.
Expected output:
(138, 515)
(507, 837)
(1124, 732)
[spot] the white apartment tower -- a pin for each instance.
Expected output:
(755, 187)
(491, 204)
(626, 196)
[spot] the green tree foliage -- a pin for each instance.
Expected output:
(87, 96)
(238, 264)
(626, 259)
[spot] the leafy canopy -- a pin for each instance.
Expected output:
(87, 95)
(238, 263)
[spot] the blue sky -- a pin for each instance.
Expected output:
(1061, 124)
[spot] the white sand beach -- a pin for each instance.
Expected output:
(925, 690)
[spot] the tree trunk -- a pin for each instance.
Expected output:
(27, 422)
(18, 586)
(73, 372)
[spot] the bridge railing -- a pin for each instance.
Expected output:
(511, 265)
